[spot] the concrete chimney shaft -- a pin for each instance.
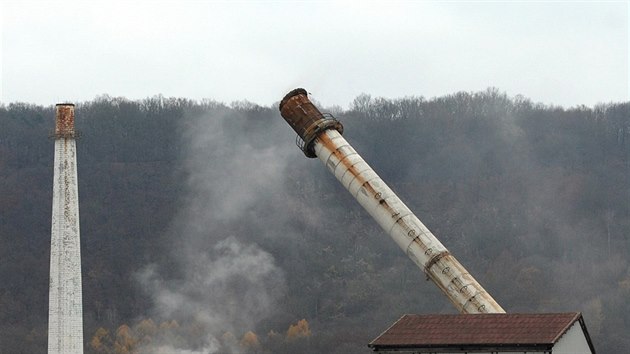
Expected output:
(321, 136)
(65, 299)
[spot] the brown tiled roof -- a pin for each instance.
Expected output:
(478, 329)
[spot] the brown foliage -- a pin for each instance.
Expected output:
(146, 327)
(250, 340)
(298, 330)
(125, 342)
(169, 325)
(101, 341)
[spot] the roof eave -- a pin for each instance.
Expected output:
(463, 348)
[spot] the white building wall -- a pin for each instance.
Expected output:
(572, 342)
(65, 311)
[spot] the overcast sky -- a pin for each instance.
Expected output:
(563, 53)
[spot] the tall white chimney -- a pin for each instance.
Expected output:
(65, 310)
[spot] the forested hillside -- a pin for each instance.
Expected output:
(205, 229)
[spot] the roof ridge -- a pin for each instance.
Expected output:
(388, 328)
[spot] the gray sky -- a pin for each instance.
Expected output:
(564, 53)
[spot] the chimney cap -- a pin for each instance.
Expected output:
(65, 104)
(295, 92)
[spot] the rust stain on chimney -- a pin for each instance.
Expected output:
(64, 120)
(307, 121)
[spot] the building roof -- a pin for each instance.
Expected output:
(474, 330)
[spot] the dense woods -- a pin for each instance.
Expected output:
(205, 229)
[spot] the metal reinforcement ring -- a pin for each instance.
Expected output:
(65, 135)
(311, 133)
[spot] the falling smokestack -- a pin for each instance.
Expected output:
(319, 135)
(65, 310)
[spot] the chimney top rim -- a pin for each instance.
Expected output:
(295, 92)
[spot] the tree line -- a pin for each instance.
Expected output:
(206, 218)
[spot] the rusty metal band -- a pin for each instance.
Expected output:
(434, 260)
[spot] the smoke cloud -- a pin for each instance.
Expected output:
(223, 281)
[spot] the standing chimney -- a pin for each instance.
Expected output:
(319, 135)
(65, 310)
